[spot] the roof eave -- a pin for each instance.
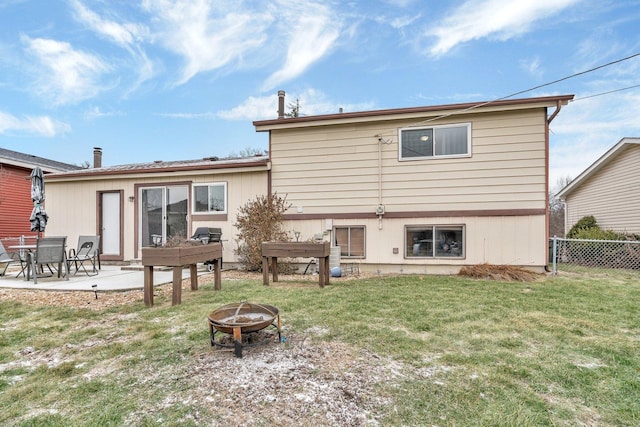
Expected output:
(603, 160)
(463, 108)
(94, 173)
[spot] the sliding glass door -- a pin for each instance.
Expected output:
(164, 213)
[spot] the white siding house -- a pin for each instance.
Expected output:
(609, 190)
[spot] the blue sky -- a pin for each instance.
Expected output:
(184, 79)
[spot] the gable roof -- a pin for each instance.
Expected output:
(435, 110)
(607, 157)
(205, 164)
(29, 161)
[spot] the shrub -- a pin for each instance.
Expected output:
(584, 223)
(258, 221)
(597, 233)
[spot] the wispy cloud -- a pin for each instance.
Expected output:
(532, 66)
(476, 19)
(124, 35)
(128, 36)
(206, 36)
(311, 30)
(312, 102)
(96, 112)
(38, 125)
(64, 75)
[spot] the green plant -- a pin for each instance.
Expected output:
(584, 223)
(259, 220)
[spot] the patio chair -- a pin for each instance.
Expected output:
(7, 258)
(49, 251)
(88, 251)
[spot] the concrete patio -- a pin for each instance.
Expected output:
(110, 278)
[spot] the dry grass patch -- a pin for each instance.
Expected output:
(500, 273)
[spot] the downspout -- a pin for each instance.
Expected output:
(379, 182)
(546, 216)
(565, 219)
(555, 113)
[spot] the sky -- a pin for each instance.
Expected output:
(150, 80)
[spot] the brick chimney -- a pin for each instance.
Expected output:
(281, 104)
(97, 157)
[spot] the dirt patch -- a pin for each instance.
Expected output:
(294, 383)
(500, 272)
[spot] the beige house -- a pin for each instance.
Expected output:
(413, 190)
(128, 204)
(609, 190)
(420, 190)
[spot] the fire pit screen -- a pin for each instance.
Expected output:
(240, 320)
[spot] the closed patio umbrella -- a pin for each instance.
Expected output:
(39, 216)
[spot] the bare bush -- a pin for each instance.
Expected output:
(258, 221)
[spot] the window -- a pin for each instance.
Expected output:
(427, 241)
(436, 141)
(351, 241)
(208, 198)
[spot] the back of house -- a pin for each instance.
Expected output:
(421, 190)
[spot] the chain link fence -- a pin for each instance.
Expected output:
(575, 254)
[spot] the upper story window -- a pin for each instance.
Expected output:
(435, 141)
(210, 198)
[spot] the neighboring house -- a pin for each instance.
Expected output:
(15, 189)
(127, 204)
(426, 189)
(609, 190)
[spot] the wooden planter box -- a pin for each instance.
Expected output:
(177, 258)
(272, 250)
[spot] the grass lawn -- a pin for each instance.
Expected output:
(561, 351)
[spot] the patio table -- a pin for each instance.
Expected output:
(23, 247)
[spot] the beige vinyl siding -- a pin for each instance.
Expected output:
(611, 195)
(512, 240)
(72, 206)
(334, 169)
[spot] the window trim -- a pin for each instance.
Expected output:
(434, 228)
(209, 184)
(434, 129)
(364, 242)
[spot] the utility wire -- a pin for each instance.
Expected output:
(605, 93)
(590, 70)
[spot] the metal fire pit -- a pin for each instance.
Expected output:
(242, 318)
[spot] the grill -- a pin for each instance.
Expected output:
(208, 235)
(240, 321)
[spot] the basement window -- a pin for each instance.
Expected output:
(435, 142)
(210, 198)
(351, 240)
(431, 241)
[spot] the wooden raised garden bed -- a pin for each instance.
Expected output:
(178, 257)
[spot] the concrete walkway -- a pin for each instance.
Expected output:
(110, 278)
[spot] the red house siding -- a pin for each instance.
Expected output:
(15, 201)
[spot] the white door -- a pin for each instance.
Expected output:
(110, 233)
